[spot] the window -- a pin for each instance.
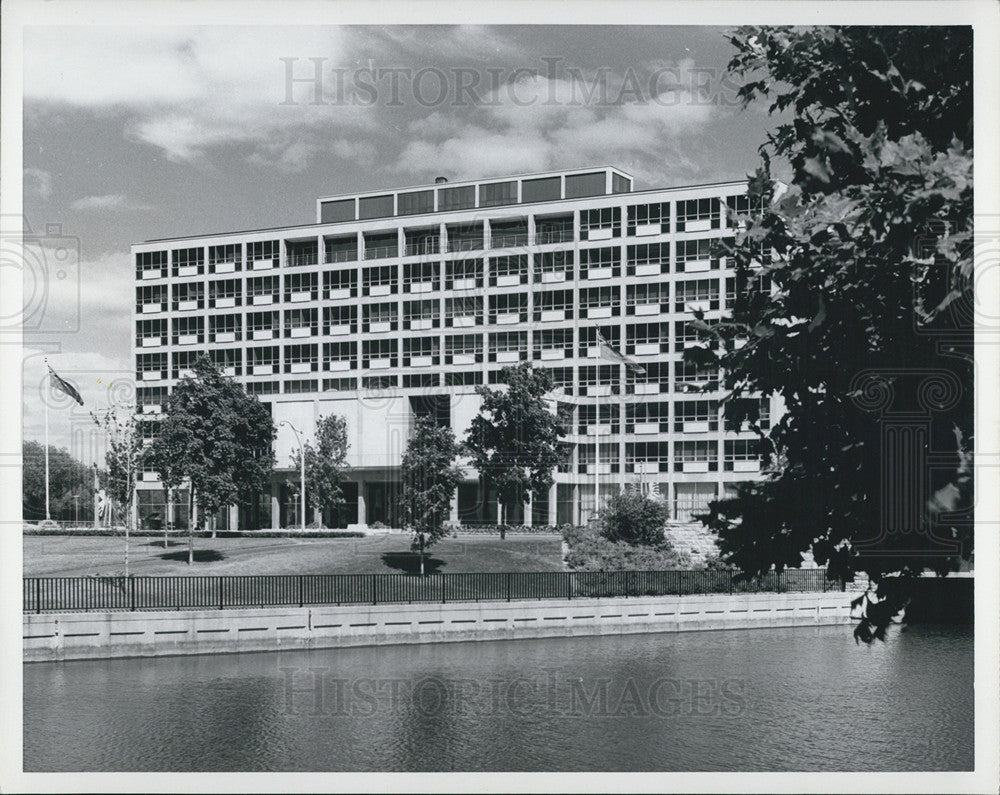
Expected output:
(188, 295)
(589, 343)
(463, 349)
(562, 379)
(508, 346)
(497, 193)
(696, 416)
(509, 308)
(649, 219)
(463, 274)
(342, 319)
(151, 366)
(340, 384)
(263, 254)
(420, 380)
(150, 264)
(379, 280)
(379, 354)
(608, 463)
(474, 378)
(340, 355)
(262, 388)
(301, 287)
(336, 211)
(151, 298)
(189, 330)
(421, 201)
(340, 284)
(742, 451)
(696, 456)
(554, 343)
(151, 332)
(225, 293)
(651, 298)
(421, 277)
(738, 208)
(462, 237)
(620, 184)
(648, 259)
(460, 198)
(600, 263)
(262, 325)
(263, 361)
(340, 249)
(756, 287)
(228, 360)
(691, 378)
(421, 352)
(647, 457)
(600, 379)
(380, 317)
(743, 413)
(687, 335)
(301, 322)
(697, 255)
(541, 190)
(508, 271)
(604, 416)
(600, 302)
(225, 328)
(183, 363)
(301, 358)
(381, 245)
(263, 290)
(554, 266)
(463, 311)
(419, 315)
(301, 386)
(702, 294)
(508, 234)
(698, 215)
(379, 382)
(301, 253)
(553, 305)
(647, 417)
(422, 242)
(655, 380)
(601, 223)
(188, 261)
(553, 229)
(375, 207)
(580, 185)
(647, 339)
(151, 399)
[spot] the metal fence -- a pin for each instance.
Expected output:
(220, 592)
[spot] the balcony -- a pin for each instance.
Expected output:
(509, 241)
(345, 255)
(553, 236)
(381, 252)
(301, 260)
(463, 244)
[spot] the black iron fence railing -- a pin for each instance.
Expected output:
(42, 594)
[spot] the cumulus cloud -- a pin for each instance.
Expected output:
(111, 201)
(38, 181)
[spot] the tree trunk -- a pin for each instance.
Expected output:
(166, 515)
(421, 537)
(192, 519)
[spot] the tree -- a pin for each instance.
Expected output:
(866, 330)
(67, 478)
(215, 437)
(429, 480)
(326, 464)
(634, 518)
(124, 460)
(514, 441)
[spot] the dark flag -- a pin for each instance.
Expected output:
(65, 387)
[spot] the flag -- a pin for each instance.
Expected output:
(607, 352)
(65, 387)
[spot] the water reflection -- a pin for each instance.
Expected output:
(776, 699)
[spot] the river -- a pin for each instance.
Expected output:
(765, 699)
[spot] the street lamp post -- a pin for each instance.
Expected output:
(302, 471)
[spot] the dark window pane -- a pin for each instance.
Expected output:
(540, 190)
(375, 207)
(418, 202)
(497, 193)
(333, 212)
(457, 198)
(578, 185)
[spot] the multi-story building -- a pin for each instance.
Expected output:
(399, 303)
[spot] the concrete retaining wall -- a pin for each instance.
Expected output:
(75, 636)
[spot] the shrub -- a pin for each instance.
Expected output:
(634, 518)
(591, 551)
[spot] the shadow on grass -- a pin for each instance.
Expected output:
(200, 555)
(169, 544)
(409, 562)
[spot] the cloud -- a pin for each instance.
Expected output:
(112, 201)
(39, 181)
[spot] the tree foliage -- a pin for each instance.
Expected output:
(67, 477)
(429, 479)
(514, 440)
(634, 518)
(867, 323)
(215, 437)
(326, 464)
(123, 459)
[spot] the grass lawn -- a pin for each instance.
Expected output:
(63, 556)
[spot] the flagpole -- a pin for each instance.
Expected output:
(48, 391)
(597, 440)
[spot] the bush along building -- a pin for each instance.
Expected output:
(398, 303)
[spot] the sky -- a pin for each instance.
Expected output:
(137, 133)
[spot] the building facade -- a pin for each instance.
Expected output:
(399, 303)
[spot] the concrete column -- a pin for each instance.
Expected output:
(275, 505)
(362, 516)
(528, 511)
(234, 517)
(453, 509)
(553, 504)
(576, 504)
